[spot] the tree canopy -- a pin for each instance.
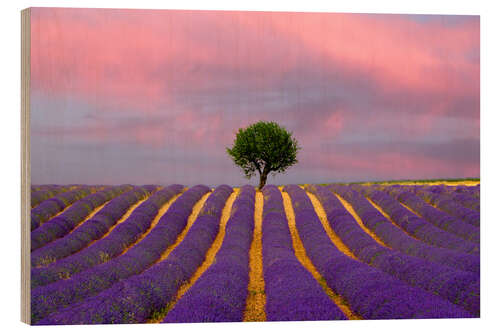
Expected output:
(264, 148)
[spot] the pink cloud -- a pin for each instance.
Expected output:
(146, 56)
(335, 122)
(394, 165)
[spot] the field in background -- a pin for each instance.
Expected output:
(444, 181)
(372, 250)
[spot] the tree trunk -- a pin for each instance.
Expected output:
(263, 179)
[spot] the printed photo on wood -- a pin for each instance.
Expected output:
(185, 166)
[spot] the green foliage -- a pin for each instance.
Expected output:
(264, 147)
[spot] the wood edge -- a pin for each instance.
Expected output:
(25, 164)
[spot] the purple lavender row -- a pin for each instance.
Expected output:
(292, 293)
(369, 291)
(435, 216)
(50, 191)
(103, 250)
(137, 298)
(35, 188)
(430, 188)
(446, 203)
(451, 191)
(219, 295)
(91, 230)
(435, 189)
(47, 209)
(138, 258)
(413, 225)
(467, 201)
(43, 187)
(421, 229)
(472, 190)
(456, 286)
(463, 198)
(151, 187)
(62, 224)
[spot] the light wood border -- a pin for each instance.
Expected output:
(25, 164)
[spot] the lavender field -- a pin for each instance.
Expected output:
(172, 254)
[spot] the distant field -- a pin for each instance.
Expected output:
(444, 181)
(367, 250)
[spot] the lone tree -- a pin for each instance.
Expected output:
(264, 147)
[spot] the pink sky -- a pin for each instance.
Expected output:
(143, 96)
